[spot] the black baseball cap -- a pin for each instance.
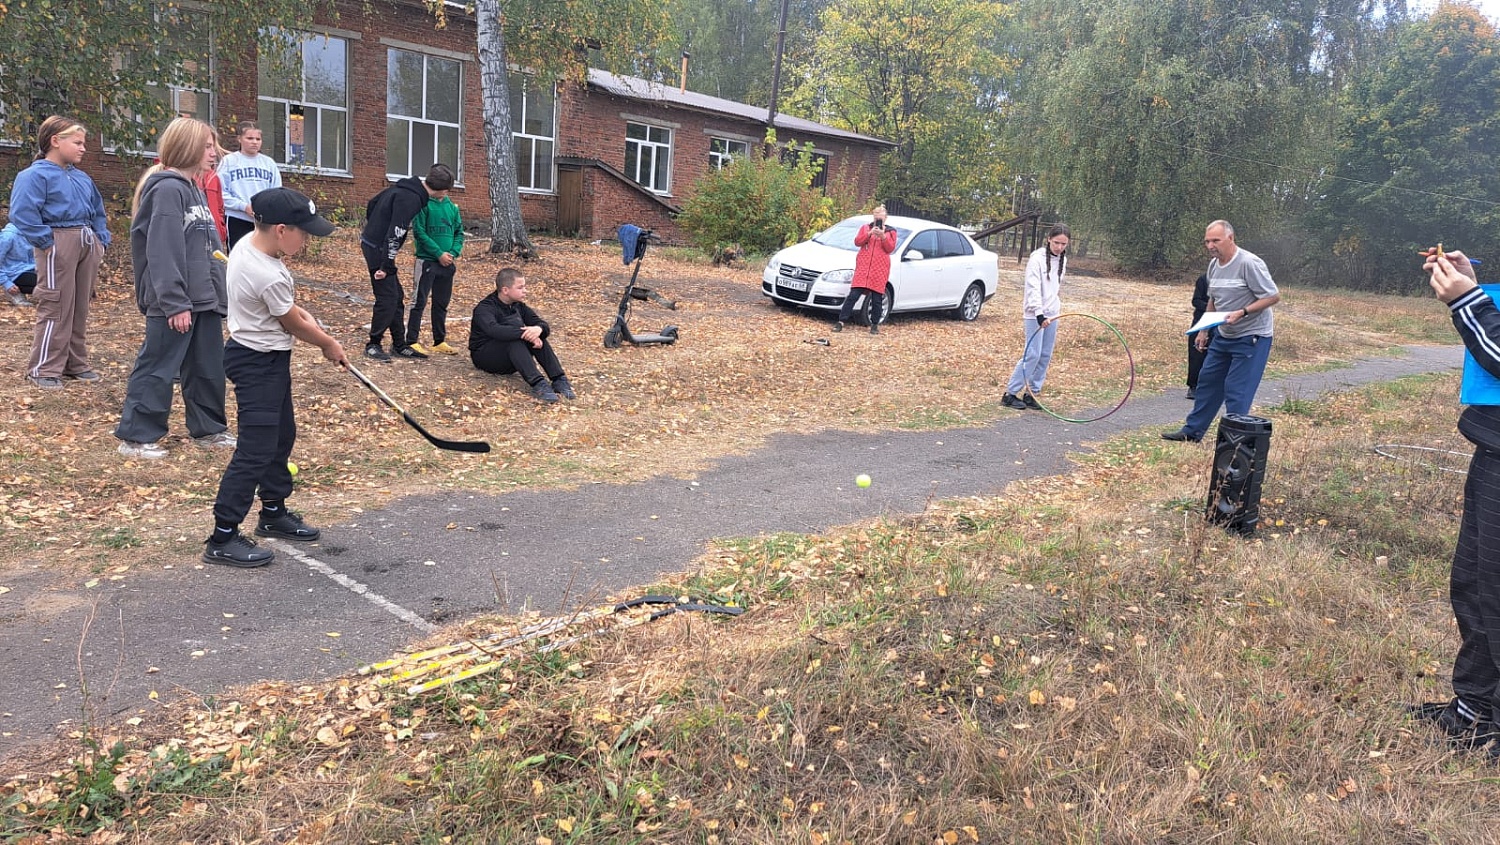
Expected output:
(289, 207)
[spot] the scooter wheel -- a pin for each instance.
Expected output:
(612, 339)
(669, 331)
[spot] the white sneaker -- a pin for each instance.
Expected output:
(217, 440)
(149, 451)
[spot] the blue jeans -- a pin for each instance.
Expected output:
(1032, 368)
(1230, 376)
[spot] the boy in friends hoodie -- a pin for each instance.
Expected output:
(388, 218)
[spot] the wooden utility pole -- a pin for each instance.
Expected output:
(776, 66)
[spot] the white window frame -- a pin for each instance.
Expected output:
(412, 121)
(287, 105)
(718, 159)
(174, 95)
(656, 149)
(520, 134)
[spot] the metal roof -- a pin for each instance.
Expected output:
(635, 88)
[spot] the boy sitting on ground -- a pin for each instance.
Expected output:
(508, 337)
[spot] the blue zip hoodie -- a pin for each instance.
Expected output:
(48, 196)
(16, 256)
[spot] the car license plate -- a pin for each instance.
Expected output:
(793, 284)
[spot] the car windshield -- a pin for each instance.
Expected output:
(841, 235)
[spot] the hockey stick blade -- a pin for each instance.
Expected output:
(474, 446)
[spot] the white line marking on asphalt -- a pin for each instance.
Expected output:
(355, 587)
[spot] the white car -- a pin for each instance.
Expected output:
(935, 267)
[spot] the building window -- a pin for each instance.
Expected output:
(648, 156)
(423, 105)
(304, 102)
(721, 151)
(533, 115)
(820, 179)
(186, 43)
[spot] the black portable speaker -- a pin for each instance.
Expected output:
(1239, 469)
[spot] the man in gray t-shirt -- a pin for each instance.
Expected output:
(1240, 286)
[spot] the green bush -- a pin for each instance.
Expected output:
(759, 202)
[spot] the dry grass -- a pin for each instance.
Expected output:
(1079, 660)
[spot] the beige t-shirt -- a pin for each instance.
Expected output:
(260, 292)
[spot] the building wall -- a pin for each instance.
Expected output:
(590, 124)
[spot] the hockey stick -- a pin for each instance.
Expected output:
(499, 660)
(478, 446)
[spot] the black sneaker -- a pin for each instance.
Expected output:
(412, 353)
(1011, 400)
(286, 526)
(874, 328)
(1181, 435)
(374, 352)
(1030, 401)
(240, 552)
(564, 388)
(543, 391)
(1460, 731)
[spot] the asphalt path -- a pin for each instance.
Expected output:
(374, 585)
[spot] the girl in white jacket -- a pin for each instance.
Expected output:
(1044, 274)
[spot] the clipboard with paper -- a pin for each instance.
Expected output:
(1209, 320)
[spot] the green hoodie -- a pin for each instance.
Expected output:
(437, 229)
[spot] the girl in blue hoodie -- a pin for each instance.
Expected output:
(179, 287)
(61, 214)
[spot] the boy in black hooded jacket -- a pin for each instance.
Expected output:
(388, 218)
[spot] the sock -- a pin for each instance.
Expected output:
(223, 533)
(270, 509)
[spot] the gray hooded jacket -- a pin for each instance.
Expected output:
(172, 244)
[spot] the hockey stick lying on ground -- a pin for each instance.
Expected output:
(490, 653)
(451, 445)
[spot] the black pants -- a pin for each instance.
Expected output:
(237, 229)
(877, 304)
(436, 279)
(1474, 588)
(1195, 360)
(26, 282)
(267, 431)
(518, 356)
(390, 300)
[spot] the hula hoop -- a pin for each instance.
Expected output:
(1381, 450)
(1129, 359)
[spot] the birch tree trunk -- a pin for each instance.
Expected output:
(509, 231)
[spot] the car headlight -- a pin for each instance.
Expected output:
(842, 277)
(773, 267)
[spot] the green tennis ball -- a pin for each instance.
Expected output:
(862, 480)
(291, 468)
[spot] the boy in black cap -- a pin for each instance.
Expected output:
(264, 325)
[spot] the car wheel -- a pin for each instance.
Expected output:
(886, 304)
(968, 307)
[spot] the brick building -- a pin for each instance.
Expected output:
(379, 94)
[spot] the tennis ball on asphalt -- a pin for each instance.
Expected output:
(862, 480)
(291, 468)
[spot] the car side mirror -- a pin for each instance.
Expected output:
(913, 255)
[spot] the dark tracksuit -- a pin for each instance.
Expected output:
(1196, 355)
(495, 343)
(1474, 588)
(172, 241)
(388, 218)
